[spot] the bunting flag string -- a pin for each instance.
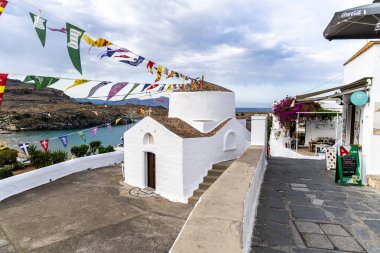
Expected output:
(42, 82)
(3, 4)
(65, 138)
(3, 82)
(76, 34)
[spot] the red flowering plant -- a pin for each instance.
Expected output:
(286, 111)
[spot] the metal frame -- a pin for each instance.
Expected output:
(336, 123)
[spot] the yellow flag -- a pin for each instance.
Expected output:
(100, 42)
(117, 121)
(169, 89)
(77, 82)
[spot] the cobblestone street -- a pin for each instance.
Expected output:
(301, 209)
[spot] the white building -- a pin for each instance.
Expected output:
(173, 154)
(361, 124)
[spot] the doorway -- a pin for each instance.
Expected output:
(151, 169)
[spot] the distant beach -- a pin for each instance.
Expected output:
(243, 109)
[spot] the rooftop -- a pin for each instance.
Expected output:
(91, 211)
(362, 50)
(185, 130)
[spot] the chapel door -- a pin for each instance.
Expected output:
(151, 165)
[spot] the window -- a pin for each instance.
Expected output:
(148, 139)
(230, 141)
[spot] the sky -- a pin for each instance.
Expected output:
(262, 50)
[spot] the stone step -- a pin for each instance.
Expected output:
(193, 200)
(223, 165)
(215, 172)
(210, 179)
(204, 186)
(198, 192)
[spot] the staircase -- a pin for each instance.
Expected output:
(212, 176)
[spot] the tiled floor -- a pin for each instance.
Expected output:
(301, 209)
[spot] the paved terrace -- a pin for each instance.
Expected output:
(90, 211)
(302, 210)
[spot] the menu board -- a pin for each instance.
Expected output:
(348, 169)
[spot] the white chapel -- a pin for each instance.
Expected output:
(173, 154)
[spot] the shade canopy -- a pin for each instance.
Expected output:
(361, 22)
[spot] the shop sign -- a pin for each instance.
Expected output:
(359, 98)
(348, 167)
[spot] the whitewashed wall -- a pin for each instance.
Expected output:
(26, 181)
(367, 65)
(199, 154)
(329, 131)
(207, 105)
(168, 150)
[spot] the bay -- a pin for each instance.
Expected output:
(107, 137)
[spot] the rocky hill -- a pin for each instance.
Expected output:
(24, 108)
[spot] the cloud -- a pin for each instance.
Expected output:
(263, 50)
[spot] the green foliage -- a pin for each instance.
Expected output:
(270, 125)
(33, 153)
(19, 166)
(79, 151)
(58, 156)
(43, 159)
(8, 156)
(328, 116)
(107, 149)
(6, 172)
(94, 146)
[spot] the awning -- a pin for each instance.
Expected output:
(362, 84)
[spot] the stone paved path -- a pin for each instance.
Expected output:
(301, 209)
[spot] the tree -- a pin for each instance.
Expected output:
(286, 111)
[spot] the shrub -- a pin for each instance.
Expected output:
(8, 156)
(107, 149)
(94, 146)
(58, 156)
(6, 172)
(79, 151)
(33, 153)
(43, 159)
(19, 166)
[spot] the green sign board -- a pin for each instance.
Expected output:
(348, 166)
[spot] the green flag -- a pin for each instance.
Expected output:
(81, 134)
(41, 82)
(40, 26)
(133, 88)
(74, 35)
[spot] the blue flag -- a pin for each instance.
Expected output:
(145, 86)
(136, 62)
(64, 140)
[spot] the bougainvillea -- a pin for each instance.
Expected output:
(286, 111)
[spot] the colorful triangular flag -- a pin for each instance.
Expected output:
(3, 4)
(3, 82)
(74, 35)
(40, 26)
(81, 134)
(64, 139)
(94, 131)
(117, 121)
(24, 147)
(133, 88)
(115, 89)
(77, 82)
(45, 145)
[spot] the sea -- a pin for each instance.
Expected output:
(106, 136)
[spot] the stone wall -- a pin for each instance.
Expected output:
(223, 219)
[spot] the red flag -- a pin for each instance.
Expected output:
(152, 87)
(3, 3)
(3, 81)
(45, 145)
(149, 65)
